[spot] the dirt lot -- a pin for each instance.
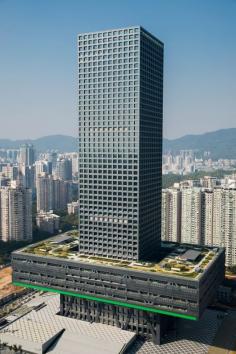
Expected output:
(6, 288)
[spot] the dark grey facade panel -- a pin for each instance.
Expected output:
(177, 294)
(148, 325)
(120, 135)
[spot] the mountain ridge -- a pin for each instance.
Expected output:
(59, 142)
(221, 143)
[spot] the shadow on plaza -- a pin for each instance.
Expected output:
(214, 330)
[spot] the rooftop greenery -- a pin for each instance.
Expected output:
(172, 264)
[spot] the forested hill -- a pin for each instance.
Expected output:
(221, 143)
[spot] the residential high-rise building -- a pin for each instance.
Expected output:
(11, 171)
(64, 169)
(43, 166)
(208, 182)
(75, 164)
(52, 157)
(191, 225)
(27, 155)
(171, 215)
(230, 226)
(207, 211)
(52, 193)
(27, 176)
(4, 181)
(218, 223)
(15, 213)
(44, 191)
(203, 216)
(120, 137)
(224, 222)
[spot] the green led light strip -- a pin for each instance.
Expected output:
(112, 302)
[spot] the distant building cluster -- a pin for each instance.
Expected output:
(50, 179)
(202, 212)
(53, 193)
(188, 161)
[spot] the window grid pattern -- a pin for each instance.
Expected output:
(109, 138)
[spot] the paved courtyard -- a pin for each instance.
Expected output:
(191, 338)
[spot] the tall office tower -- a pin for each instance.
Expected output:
(171, 215)
(64, 169)
(191, 226)
(16, 213)
(120, 137)
(27, 155)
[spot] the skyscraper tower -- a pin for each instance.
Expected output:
(120, 137)
(27, 155)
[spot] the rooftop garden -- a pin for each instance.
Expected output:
(175, 263)
(65, 248)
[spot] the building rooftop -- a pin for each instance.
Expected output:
(209, 334)
(44, 331)
(190, 255)
(180, 259)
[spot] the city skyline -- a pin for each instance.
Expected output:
(121, 255)
(40, 76)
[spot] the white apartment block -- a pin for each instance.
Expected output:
(230, 226)
(218, 222)
(191, 225)
(171, 215)
(204, 215)
(73, 208)
(52, 193)
(207, 216)
(15, 214)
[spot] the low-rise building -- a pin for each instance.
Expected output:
(73, 207)
(47, 221)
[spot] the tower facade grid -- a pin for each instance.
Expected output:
(120, 143)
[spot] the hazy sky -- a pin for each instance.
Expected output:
(38, 64)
